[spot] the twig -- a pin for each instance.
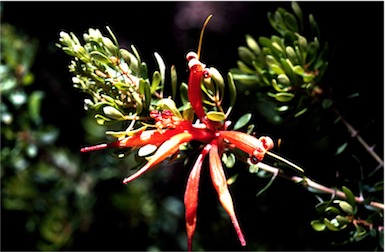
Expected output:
(354, 133)
(308, 183)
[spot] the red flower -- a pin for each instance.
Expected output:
(173, 132)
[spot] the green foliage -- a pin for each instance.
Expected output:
(39, 179)
(121, 88)
(116, 79)
(343, 216)
(287, 67)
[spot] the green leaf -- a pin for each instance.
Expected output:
(287, 66)
(252, 44)
(360, 231)
(314, 27)
(131, 60)
(112, 36)
(302, 42)
(143, 71)
(282, 108)
(246, 55)
(264, 41)
(253, 168)
(277, 87)
(101, 120)
(341, 148)
(228, 160)
(183, 93)
(278, 47)
(298, 70)
(188, 114)
(120, 134)
(330, 225)
(156, 78)
(349, 196)
(216, 116)
(244, 68)
(298, 12)
(291, 22)
(242, 121)
(167, 103)
(283, 79)
(332, 209)
(216, 76)
(232, 91)
(113, 113)
(308, 77)
(162, 67)
(139, 102)
(174, 81)
(111, 48)
(292, 55)
(137, 55)
(270, 60)
(232, 179)
(342, 220)
(284, 97)
(300, 112)
(276, 69)
(246, 79)
(318, 225)
(34, 105)
(144, 89)
(346, 207)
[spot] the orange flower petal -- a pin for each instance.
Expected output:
(194, 87)
(191, 196)
(248, 143)
(219, 181)
(167, 149)
(144, 137)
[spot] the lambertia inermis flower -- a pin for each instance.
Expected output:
(172, 132)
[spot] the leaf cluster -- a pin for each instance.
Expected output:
(121, 89)
(116, 79)
(287, 67)
(343, 216)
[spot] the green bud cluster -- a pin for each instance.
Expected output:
(289, 67)
(116, 79)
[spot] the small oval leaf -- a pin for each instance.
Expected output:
(113, 113)
(242, 121)
(346, 207)
(216, 116)
(284, 97)
(318, 225)
(349, 196)
(252, 44)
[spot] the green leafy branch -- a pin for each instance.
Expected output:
(287, 68)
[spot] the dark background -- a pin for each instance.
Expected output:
(280, 218)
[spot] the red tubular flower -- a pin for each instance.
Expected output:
(191, 196)
(249, 144)
(197, 72)
(168, 148)
(172, 132)
(169, 140)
